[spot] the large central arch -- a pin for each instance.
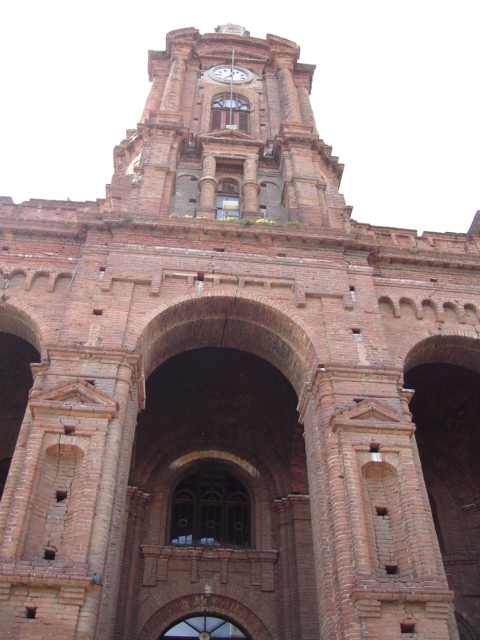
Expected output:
(187, 428)
(231, 319)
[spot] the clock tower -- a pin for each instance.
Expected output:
(228, 120)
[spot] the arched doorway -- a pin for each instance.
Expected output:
(444, 371)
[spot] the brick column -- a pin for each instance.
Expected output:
(208, 186)
(154, 97)
(175, 81)
(250, 188)
(288, 93)
(305, 107)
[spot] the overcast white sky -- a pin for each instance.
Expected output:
(396, 94)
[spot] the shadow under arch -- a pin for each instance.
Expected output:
(236, 320)
(202, 604)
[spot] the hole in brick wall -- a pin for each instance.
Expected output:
(97, 312)
(192, 200)
(352, 288)
(69, 429)
(263, 184)
(5, 248)
(381, 511)
(195, 119)
(103, 269)
(263, 207)
(201, 276)
(193, 179)
(31, 612)
(433, 280)
(281, 255)
(49, 553)
(357, 400)
(407, 627)
(391, 569)
(218, 249)
(356, 332)
(92, 382)
(374, 447)
(61, 495)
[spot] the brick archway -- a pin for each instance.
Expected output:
(230, 319)
(460, 347)
(444, 371)
(21, 320)
(202, 604)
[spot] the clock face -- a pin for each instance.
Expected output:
(239, 75)
(226, 73)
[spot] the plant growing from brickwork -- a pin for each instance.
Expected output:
(264, 221)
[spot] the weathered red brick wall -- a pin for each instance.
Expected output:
(276, 350)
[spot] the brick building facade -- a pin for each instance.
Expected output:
(218, 425)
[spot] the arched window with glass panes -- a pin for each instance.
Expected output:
(230, 110)
(204, 627)
(211, 508)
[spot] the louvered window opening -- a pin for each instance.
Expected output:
(239, 114)
(211, 508)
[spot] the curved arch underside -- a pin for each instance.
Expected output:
(230, 321)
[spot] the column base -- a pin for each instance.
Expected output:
(206, 212)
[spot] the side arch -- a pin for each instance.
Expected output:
(235, 320)
(459, 347)
(21, 320)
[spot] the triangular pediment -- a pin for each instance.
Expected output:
(227, 133)
(75, 396)
(371, 413)
(213, 141)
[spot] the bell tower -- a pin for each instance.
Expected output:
(228, 132)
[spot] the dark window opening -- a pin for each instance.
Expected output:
(407, 627)
(49, 553)
(31, 612)
(230, 111)
(391, 569)
(211, 508)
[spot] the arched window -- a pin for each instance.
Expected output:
(230, 110)
(228, 201)
(211, 508)
(204, 628)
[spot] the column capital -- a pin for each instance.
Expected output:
(181, 51)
